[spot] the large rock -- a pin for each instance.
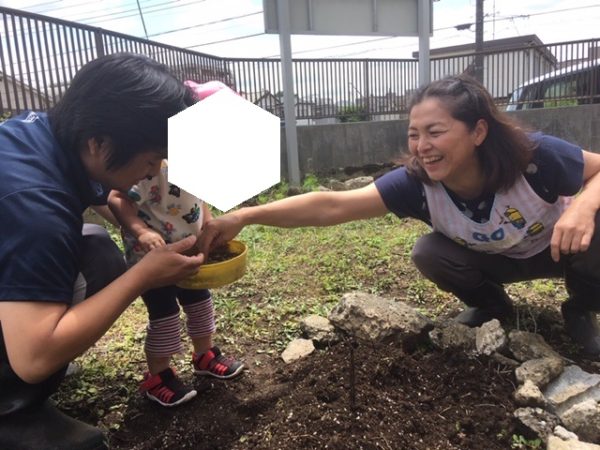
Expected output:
(319, 329)
(490, 338)
(358, 182)
(584, 419)
(298, 348)
(573, 386)
(540, 371)
(537, 421)
(373, 318)
(525, 346)
(556, 443)
(453, 335)
(528, 394)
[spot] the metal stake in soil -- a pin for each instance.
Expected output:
(353, 346)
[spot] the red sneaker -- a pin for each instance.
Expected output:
(166, 389)
(215, 364)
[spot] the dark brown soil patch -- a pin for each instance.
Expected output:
(423, 400)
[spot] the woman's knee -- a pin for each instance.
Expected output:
(426, 253)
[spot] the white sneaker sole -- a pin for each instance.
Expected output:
(186, 398)
(208, 373)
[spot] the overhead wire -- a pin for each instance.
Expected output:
(135, 12)
(511, 18)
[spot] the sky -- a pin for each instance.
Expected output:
(235, 28)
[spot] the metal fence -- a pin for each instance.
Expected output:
(40, 55)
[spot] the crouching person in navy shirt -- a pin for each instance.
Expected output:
(63, 283)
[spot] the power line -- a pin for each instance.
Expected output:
(113, 15)
(128, 12)
(511, 18)
(224, 40)
(228, 19)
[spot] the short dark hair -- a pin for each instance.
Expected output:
(506, 150)
(124, 97)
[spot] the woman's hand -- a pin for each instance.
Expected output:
(574, 230)
(150, 239)
(217, 232)
(167, 265)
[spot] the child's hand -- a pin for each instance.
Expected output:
(166, 265)
(150, 240)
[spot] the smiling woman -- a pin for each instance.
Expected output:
(500, 201)
(62, 283)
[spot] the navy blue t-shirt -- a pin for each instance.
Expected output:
(556, 169)
(43, 193)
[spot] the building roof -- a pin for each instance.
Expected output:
(495, 45)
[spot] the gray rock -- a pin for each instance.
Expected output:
(573, 386)
(373, 318)
(455, 335)
(336, 185)
(298, 348)
(490, 338)
(565, 434)
(540, 371)
(556, 443)
(358, 182)
(583, 419)
(528, 394)
(525, 346)
(538, 421)
(319, 329)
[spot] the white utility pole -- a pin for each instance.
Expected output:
(289, 108)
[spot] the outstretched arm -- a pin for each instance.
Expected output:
(574, 230)
(313, 209)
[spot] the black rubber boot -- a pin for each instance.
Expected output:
(582, 327)
(579, 312)
(45, 427)
(486, 302)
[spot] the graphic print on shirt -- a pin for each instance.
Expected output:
(167, 230)
(534, 229)
(164, 207)
(514, 217)
(173, 209)
(193, 215)
(155, 196)
(520, 222)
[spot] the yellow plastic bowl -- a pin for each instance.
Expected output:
(220, 273)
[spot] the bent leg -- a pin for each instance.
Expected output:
(477, 278)
(582, 279)
(23, 403)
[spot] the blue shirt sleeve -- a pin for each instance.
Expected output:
(40, 246)
(556, 168)
(403, 194)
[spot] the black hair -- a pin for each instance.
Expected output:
(505, 152)
(123, 97)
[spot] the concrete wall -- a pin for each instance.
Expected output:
(324, 149)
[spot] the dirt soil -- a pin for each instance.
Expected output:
(419, 398)
(424, 399)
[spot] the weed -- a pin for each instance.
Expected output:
(519, 441)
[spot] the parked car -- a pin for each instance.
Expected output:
(570, 86)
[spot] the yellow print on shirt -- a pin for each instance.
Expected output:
(515, 217)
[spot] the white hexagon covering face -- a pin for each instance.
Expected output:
(224, 149)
